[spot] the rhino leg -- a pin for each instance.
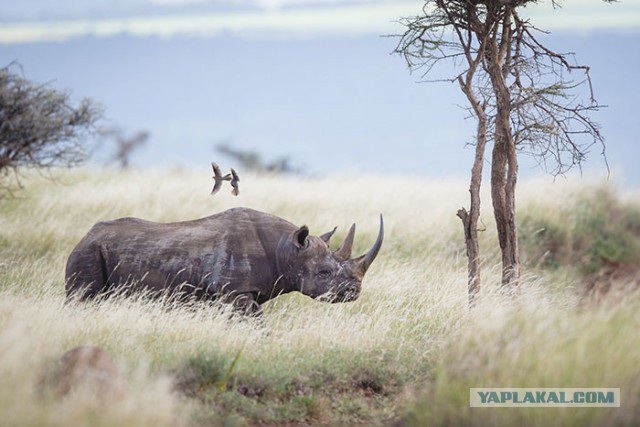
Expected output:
(85, 273)
(246, 304)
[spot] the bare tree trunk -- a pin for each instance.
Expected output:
(504, 161)
(504, 169)
(511, 270)
(470, 218)
(470, 224)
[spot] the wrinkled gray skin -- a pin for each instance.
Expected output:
(240, 255)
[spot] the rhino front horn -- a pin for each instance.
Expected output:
(364, 262)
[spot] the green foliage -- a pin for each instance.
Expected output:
(592, 230)
(206, 372)
(202, 373)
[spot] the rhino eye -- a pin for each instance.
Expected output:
(323, 273)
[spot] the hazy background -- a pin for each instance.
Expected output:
(314, 81)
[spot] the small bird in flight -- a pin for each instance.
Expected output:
(234, 183)
(218, 178)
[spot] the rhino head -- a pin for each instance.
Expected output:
(311, 267)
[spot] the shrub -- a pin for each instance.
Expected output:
(592, 230)
(40, 126)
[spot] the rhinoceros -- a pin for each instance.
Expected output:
(240, 255)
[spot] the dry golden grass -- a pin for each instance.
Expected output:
(408, 347)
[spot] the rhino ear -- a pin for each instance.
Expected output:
(300, 237)
(327, 236)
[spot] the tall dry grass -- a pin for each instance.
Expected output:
(408, 347)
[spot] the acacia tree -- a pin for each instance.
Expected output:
(125, 145)
(522, 94)
(39, 126)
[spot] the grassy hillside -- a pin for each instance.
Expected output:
(406, 352)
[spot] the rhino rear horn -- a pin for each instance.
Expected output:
(327, 236)
(344, 251)
(364, 262)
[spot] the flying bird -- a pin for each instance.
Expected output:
(234, 183)
(218, 178)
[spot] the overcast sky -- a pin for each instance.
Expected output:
(301, 78)
(41, 20)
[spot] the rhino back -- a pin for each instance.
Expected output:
(230, 251)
